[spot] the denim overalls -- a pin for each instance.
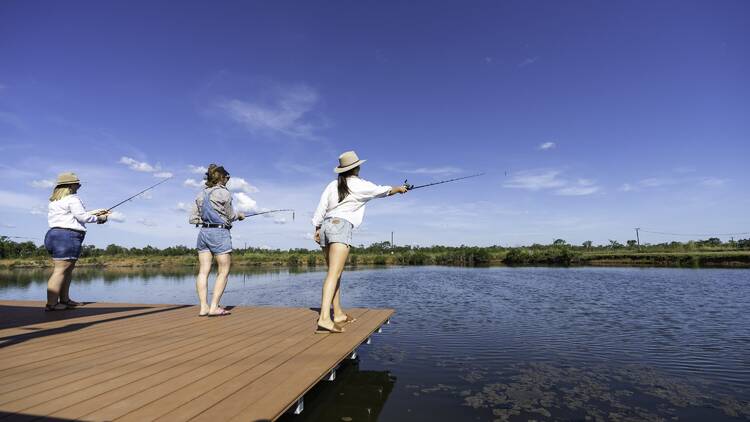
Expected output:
(217, 240)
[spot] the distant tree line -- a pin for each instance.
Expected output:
(407, 254)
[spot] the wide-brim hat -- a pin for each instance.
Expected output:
(348, 161)
(67, 179)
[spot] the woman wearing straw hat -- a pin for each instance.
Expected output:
(213, 212)
(67, 220)
(341, 208)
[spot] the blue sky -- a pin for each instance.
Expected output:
(589, 118)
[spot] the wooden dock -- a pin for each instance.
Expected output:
(108, 361)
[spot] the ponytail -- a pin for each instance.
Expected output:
(343, 187)
(214, 175)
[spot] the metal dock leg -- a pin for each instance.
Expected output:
(332, 374)
(300, 405)
(353, 355)
(369, 340)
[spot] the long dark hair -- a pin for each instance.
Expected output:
(343, 187)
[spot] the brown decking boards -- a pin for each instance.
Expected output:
(148, 362)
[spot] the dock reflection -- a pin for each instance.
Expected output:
(355, 395)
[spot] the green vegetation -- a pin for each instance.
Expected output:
(706, 253)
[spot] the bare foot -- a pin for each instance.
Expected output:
(330, 326)
(343, 319)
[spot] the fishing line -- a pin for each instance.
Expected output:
(695, 234)
(143, 191)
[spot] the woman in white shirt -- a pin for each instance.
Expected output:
(67, 220)
(341, 208)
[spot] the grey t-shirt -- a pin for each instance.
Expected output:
(221, 201)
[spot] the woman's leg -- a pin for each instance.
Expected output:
(56, 280)
(337, 254)
(201, 282)
(224, 262)
(65, 290)
(338, 312)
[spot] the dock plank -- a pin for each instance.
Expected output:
(132, 362)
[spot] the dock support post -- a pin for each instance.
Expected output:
(300, 405)
(388, 321)
(332, 374)
(369, 340)
(380, 330)
(353, 355)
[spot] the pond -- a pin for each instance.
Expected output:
(501, 344)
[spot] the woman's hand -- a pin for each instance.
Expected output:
(240, 216)
(102, 218)
(316, 237)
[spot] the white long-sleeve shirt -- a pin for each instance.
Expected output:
(352, 208)
(69, 213)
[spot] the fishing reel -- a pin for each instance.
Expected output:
(407, 185)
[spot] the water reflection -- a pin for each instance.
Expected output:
(502, 343)
(29, 276)
(355, 395)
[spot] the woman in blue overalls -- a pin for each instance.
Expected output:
(213, 212)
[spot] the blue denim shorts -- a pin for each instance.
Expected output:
(335, 230)
(64, 244)
(214, 239)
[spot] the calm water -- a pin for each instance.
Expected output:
(503, 343)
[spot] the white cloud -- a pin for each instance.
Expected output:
(20, 201)
(286, 114)
(280, 220)
(182, 207)
(535, 180)
(43, 184)
(582, 187)
(117, 217)
(192, 183)
(7, 226)
(238, 184)
(138, 165)
(429, 170)
(38, 210)
(627, 187)
(547, 145)
(655, 182)
(197, 169)
(163, 174)
(147, 222)
(243, 203)
(528, 61)
(713, 182)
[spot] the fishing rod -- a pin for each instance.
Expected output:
(143, 191)
(412, 187)
(20, 237)
(270, 211)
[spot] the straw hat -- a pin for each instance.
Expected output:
(67, 179)
(348, 161)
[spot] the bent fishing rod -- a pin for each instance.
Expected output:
(108, 210)
(270, 211)
(412, 187)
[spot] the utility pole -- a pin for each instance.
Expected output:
(392, 240)
(637, 237)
